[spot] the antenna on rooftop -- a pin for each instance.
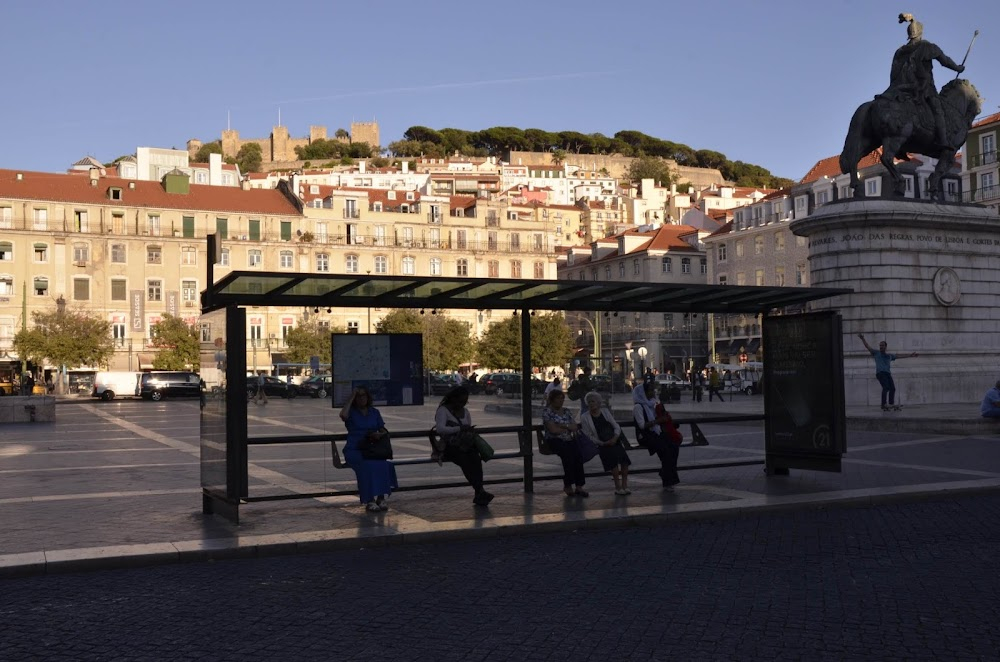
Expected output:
(228, 125)
(279, 115)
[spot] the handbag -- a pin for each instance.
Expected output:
(483, 448)
(376, 447)
(586, 446)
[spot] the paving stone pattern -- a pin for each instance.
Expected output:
(913, 581)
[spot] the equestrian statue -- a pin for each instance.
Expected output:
(911, 117)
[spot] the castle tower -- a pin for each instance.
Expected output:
(365, 132)
(279, 144)
(193, 146)
(230, 143)
(317, 133)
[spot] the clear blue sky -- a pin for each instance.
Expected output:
(772, 83)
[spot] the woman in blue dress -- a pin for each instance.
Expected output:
(376, 478)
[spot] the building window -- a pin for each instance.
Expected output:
(81, 289)
(380, 235)
(6, 284)
(6, 251)
(667, 265)
(351, 265)
(352, 326)
(741, 278)
(409, 266)
(381, 264)
(515, 268)
(254, 225)
(607, 272)
(779, 276)
(224, 258)
(462, 267)
(187, 225)
(154, 255)
(460, 240)
(407, 236)
(118, 253)
(154, 290)
(800, 204)
(636, 267)
(254, 258)
(285, 259)
(189, 290)
(189, 255)
(515, 241)
(722, 252)
(81, 252)
(153, 221)
(685, 265)
(986, 180)
(621, 269)
(206, 332)
(41, 252)
(118, 289)
(739, 248)
(321, 232)
(540, 270)
(872, 186)
(723, 279)
(80, 223)
(323, 262)
(435, 266)
(6, 218)
(779, 241)
(704, 266)
(256, 331)
(758, 277)
(493, 269)
(40, 220)
(222, 228)
(800, 274)
(758, 245)
(41, 286)
(286, 230)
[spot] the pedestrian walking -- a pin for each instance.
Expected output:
(990, 407)
(883, 371)
(714, 383)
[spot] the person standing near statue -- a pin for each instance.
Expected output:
(883, 371)
(912, 76)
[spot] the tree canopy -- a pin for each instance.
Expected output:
(176, 343)
(447, 342)
(500, 140)
(551, 342)
(650, 167)
(65, 337)
(249, 157)
(201, 156)
(309, 339)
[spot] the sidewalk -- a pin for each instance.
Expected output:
(151, 514)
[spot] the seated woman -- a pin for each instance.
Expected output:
(452, 421)
(376, 478)
(651, 434)
(598, 423)
(560, 430)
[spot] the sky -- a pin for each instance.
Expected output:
(772, 83)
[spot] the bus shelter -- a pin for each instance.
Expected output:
(801, 345)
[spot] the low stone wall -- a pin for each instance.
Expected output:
(27, 409)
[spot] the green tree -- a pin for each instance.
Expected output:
(447, 343)
(360, 151)
(249, 157)
(201, 156)
(650, 167)
(118, 159)
(341, 134)
(320, 149)
(177, 344)
(400, 320)
(65, 337)
(309, 339)
(551, 342)
(423, 134)
(558, 156)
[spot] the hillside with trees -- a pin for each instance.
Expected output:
(500, 140)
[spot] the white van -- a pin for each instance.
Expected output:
(111, 385)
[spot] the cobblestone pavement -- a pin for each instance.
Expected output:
(913, 581)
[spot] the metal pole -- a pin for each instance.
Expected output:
(526, 396)
(968, 50)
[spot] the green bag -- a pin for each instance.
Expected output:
(483, 448)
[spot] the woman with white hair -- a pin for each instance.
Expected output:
(598, 423)
(650, 433)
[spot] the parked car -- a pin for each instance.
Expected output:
(672, 380)
(508, 382)
(442, 382)
(160, 384)
(317, 386)
(272, 387)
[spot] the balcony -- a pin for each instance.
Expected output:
(434, 217)
(352, 213)
(990, 194)
(984, 159)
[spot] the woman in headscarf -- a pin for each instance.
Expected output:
(650, 433)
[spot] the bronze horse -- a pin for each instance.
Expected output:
(901, 127)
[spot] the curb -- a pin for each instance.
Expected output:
(310, 542)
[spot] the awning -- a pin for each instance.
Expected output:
(146, 361)
(734, 348)
(753, 346)
(722, 346)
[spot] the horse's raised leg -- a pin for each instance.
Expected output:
(935, 183)
(891, 147)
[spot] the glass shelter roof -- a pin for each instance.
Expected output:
(256, 288)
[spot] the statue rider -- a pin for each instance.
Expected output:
(912, 77)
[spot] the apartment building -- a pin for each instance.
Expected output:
(665, 254)
(980, 168)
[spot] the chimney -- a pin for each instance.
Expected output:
(20, 176)
(406, 167)
(361, 166)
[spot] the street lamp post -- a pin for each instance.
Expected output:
(596, 330)
(642, 360)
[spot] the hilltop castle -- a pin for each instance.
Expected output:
(279, 147)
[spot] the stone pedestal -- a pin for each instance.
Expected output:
(926, 279)
(27, 409)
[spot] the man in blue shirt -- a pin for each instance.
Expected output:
(990, 408)
(883, 371)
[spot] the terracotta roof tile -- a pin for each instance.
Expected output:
(989, 119)
(52, 187)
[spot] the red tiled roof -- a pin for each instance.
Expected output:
(830, 166)
(725, 229)
(52, 187)
(989, 119)
(668, 237)
(461, 201)
(780, 193)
